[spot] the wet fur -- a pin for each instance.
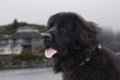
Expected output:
(76, 39)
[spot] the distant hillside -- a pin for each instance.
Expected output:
(11, 28)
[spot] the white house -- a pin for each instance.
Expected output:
(9, 49)
(26, 36)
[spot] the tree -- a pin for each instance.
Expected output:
(15, 24)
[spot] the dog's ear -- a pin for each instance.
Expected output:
(86, 34)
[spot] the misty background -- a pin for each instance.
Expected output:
(34, 14)
(103, 12)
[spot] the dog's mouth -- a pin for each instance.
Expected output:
(53, 51)
(49, 52)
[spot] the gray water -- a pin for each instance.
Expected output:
(29, 74)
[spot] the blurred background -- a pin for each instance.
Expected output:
(22, 21)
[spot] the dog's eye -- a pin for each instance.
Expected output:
(68, 28)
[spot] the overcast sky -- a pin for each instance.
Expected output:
(102, 12)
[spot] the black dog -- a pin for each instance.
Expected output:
(74, 45)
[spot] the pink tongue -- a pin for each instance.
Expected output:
(50, 52)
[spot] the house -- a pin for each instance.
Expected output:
(7, 49)
(28, 40)
(27, 37)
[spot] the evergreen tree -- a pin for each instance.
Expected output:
(15, 24)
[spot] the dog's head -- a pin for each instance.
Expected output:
(68, 32)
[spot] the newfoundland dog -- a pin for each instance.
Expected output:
(73, 44)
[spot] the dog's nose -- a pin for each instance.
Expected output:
(46, 36)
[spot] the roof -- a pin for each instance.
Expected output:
(27, 29)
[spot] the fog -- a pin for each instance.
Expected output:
(103, 12)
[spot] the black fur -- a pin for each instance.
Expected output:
(76, 39)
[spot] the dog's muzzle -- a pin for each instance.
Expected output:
(46, 36)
